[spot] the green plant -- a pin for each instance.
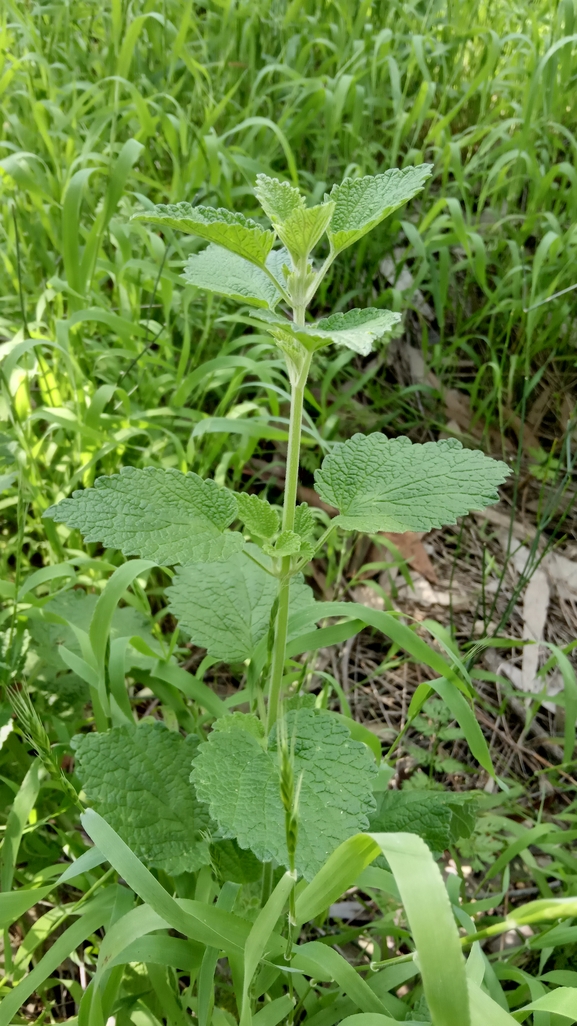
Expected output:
(109, 363)
(287, 784)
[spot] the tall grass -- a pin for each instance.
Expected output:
(109, 106)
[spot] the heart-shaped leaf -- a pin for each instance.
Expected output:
(226, 607)
(238, 776)
(218, 270)
(138, 779)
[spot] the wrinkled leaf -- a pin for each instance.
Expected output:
(287, 544)
(278, 199)
(234, 231)
(381, 484)
(304, 521)
(258, 516)
(138, 779)
(362, 203)
(239, 778)
(162, 515)
(303, 228)
(439, 817)
(356, 329)
(226, 607)
(218, 270)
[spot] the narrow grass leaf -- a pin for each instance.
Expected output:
(433, 928)
(208, 925)
(259, 937)
(59, 951)
(339, 872)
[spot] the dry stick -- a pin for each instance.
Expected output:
(521, 748)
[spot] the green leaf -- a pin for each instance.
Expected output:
(278, 199)
(356, 329)
(287, 544)
(432, 925)
(226, 607)
(260, 936)
(439, 817)
(78, 607)
(258, 516)
(137, 778)
(362, 203)
(381, 484)
(205, 923)
(562, 1002)
(234, 231)
(96, 915)
(303, 228)
(232, 863)
(304, 521)
(218, 270)
(338, 873)
(162, 515)
(240, 781)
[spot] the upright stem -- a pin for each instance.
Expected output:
(298, 382)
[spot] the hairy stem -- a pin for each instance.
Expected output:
(298, 382)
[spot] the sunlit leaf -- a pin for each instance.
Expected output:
(162, 515)
(362, 203)
(226, 228)
(382, 484)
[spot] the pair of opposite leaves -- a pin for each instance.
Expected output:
(375, 483)
(220, 595)
(240, 263)
(139, 779)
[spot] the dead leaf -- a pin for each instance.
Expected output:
(413, 552)
(424, 594)
(367, 596)
(535, 608)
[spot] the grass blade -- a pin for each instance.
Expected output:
(435, 934)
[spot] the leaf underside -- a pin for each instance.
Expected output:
(138, 779)
(381, 484)
(439, 817)
(362, 203)
(162, 515)
(218, 270)
(356, 329)
(234, 231)
(226, 607)
(239, 780)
